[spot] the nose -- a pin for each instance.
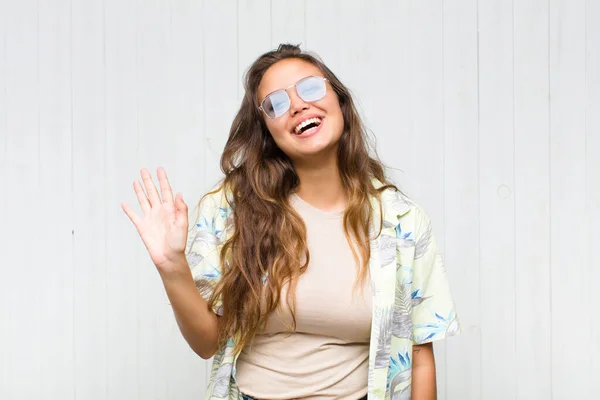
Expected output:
(296, 103)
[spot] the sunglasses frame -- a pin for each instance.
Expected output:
(260, 107)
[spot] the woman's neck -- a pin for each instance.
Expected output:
(321, 186)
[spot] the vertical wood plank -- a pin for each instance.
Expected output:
(346, 51)
(461, 195)
(386, 94)
(155, 148)
(424, 103)
(254, 35)
(352, 48)
(322, 21)
(346, 48)
(221, 82)
(570, 299)
(288, 22)
(185, 372)
(532, 201)
(5, 295)
(25, 351)
(121, 24)
(56, 379)
(592, 171)
(89, 185)
(186, 88)
(497, 220)
(424, 149)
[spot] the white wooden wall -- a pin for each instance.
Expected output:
(488, 110)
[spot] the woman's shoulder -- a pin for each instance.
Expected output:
(216, 196)
(400, 208)
(214, 205)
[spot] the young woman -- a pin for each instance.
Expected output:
(306, 274)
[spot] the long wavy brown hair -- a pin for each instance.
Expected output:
(267, 248)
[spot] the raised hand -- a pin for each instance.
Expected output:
(163, 226)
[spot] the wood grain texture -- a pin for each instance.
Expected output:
(221, 81)
(56, 378)
(496, 196)
(154, 142)
(322, 21)
(288, 19)
(569, 272)
(89, 200)
(593, 178)
(385, 94)
(461, 197)
(533, 337)
(253, 36)
(592, 189)
(122, 271)
(21, 191)
(7, 311)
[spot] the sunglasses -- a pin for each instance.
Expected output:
(309, 89)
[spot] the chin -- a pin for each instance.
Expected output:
(314, 150)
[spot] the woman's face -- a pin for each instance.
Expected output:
(307, 128)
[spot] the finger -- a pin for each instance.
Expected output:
(131, 214)
(151, 191)
(165, 188)
(142, 198)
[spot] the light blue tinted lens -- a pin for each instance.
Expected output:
(276, 104)
(311, 89)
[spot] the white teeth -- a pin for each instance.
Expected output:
(307, 122)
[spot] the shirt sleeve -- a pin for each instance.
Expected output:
(433, 312)
(203, 248)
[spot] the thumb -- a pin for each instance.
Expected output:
(180, 206)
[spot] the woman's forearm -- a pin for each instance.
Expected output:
(197, 323)
(423, 373)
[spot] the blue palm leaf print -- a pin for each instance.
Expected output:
(444, 324)
(398, 364)
(405, 238)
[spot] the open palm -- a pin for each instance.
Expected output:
(163, 226)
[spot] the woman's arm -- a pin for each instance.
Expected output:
(163, 227)
(197, 322)
(423, 373)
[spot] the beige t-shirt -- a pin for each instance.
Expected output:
(327, 356)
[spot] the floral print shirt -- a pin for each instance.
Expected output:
(412, 303)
